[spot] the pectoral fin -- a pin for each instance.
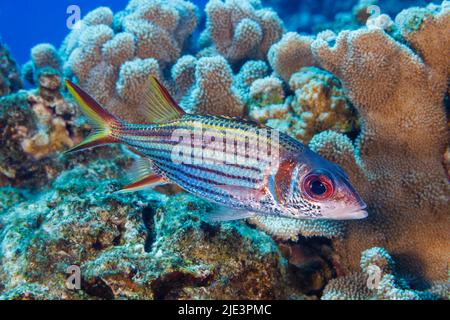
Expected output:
(227, 214)
(150, 181)
(142, 176)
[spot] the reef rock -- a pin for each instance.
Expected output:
(37, 125)
(138, 246)
(10, 80)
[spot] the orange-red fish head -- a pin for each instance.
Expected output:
(317, 189)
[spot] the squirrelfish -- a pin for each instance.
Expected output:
(246, 168)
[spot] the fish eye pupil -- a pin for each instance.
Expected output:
(317, 187)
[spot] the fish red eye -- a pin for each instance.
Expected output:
(318, 186)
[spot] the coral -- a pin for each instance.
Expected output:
(396, 162)
(158, 244)
(140, 245)
(207, 85)
(10, 196)
(27, 291)
(378, 280)
(44, 70)
(132, 77)
(241, 29)
(251, 70)
(318, 104)
(36, 126)
(45, 55)
(213, 92)
(111, 56)
(267, 91)
(404, 123)
(183, 74)
(10, 80)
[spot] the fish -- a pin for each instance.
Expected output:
(245, 168)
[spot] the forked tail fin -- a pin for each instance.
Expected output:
(103, 123)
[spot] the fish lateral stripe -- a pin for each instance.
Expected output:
(165, 155)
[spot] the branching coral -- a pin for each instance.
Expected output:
(207, 86)
(290, 54)
(396, 161)
(214, 88)
(183, 75)
(242, 29)
(251, 71)
(113, 55)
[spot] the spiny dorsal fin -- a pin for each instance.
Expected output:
(142, 176)
(159, 106)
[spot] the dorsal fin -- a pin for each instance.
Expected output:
(242, 120)
(159, 106)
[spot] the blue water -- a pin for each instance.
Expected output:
(25, 23)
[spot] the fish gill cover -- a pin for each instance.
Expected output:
(366, 91)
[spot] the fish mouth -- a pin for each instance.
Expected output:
(358, 214)
(355, 214)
